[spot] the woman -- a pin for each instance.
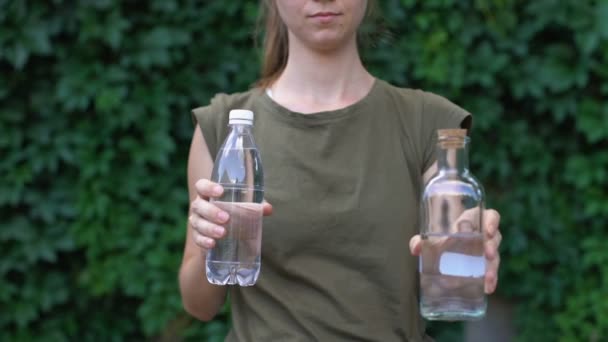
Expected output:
(345, 156)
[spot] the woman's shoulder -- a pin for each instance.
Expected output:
(212, 118)
(421, 101)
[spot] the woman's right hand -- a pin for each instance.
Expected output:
(206, 219)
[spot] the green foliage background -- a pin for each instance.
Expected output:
(95, 128)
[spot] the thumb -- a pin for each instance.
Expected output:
(415, 245)
(266, 208)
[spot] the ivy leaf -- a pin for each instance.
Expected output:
(17, 55)
(601, 15)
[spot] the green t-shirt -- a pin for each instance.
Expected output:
(345, 187)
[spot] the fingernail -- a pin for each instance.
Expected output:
(219, 231)
(217, 190)
(222, 216)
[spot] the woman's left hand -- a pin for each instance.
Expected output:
(491, 221)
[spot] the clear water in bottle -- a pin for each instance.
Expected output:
(235, 259)
(452, 268)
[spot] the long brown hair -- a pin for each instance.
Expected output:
(276, 43)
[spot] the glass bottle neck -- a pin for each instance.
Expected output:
(453, 158)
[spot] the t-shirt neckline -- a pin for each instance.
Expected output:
(322, 117)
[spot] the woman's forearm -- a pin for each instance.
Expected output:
(200, 298)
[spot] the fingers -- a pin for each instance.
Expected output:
(205, 232)
(493, 262)
(204, 242)
(206, 188)
(491, 277)
(415, 245)
(206, 228)
(491, 222)
(205, 218)
(491, 219)
(209, 211)
(491, 246)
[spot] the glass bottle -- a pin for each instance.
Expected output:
(235, 259)
(452, 260)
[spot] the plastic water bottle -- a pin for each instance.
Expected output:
(452, 260)
(235, 259)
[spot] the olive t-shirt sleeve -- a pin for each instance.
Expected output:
(213, 120)
(439, 113)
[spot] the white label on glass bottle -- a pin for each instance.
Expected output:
(462, 265)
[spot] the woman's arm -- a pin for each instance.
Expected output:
(200, 298)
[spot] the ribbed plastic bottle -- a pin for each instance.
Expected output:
(235, 259)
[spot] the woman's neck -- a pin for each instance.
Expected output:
(315, 81)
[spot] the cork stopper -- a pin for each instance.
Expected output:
(448, 133)
(452, 137)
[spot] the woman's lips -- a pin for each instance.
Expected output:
(325, 17)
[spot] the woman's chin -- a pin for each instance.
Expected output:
(328, 42)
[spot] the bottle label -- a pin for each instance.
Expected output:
(462, 265)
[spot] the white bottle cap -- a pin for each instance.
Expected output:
(241, 116)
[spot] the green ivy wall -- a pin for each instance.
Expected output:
(95, 128)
